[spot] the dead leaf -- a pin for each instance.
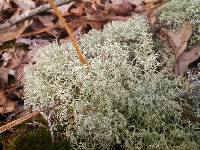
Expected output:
(136, 2)
(18, 58)
(79, 10)
(152, 17)
(123, 9)
(8, 107)
(25, 4)
(127, 7)
(30, 57)
(151, 7)
(6, 57)
(2, 98)
(186, 58)
(96, 24)
(65, 8)
(152, 1)
(117, 2)
(14, 60)
(4, 4)
(46, 20)
(24, 41)
(13, 32)
(139, 5)
(178, 41)
(3, 76)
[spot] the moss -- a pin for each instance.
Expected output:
(7, 45)
(27, 137)
(120, 98)
(36, 140)
(177, 11)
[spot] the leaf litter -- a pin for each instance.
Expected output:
(83, 15)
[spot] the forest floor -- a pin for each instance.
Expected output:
(25, 26)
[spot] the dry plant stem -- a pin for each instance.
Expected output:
(11, 89)
(26, 15)
(81, 57)
(45, 29)
(18, 121)
(23, 119)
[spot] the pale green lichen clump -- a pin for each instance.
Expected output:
(119, 100)
(178, 11)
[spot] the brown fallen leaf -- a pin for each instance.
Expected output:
(134, 2)
(125, 8)
(151, 7)
(17, 58)
(25, 4)
(8, 107)
(139, 5)
(3, 76)
(46, 20)
(186, 58)
(178, 40)
(4, 4)
(96, 24)
(13, 32)
(79, 10)
(65, 8)
(152, 1)
(2, 98)
(152, 18)
(16, 63)
(117, 2)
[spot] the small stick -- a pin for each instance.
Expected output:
(26, 15)
(23, 119)
(45, 29)
(11, 89)
(81, 57)
(18, 121)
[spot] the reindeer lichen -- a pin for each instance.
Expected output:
(118, 100)
(178, 11)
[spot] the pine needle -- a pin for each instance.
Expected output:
(81, 57)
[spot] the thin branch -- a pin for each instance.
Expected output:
(15, 20)
(72, 38)
(18, 121)
(23, 119)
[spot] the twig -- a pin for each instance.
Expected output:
(23, 119)
(18, 121)
(15, 20)
(45, 29)
(72, 38)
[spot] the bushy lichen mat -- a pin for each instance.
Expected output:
(118, 100)
(176, 12)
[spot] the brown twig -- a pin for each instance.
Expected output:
(72, 38)
(25, 118)
(15, 20)
(18, 121)
(45, 29)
